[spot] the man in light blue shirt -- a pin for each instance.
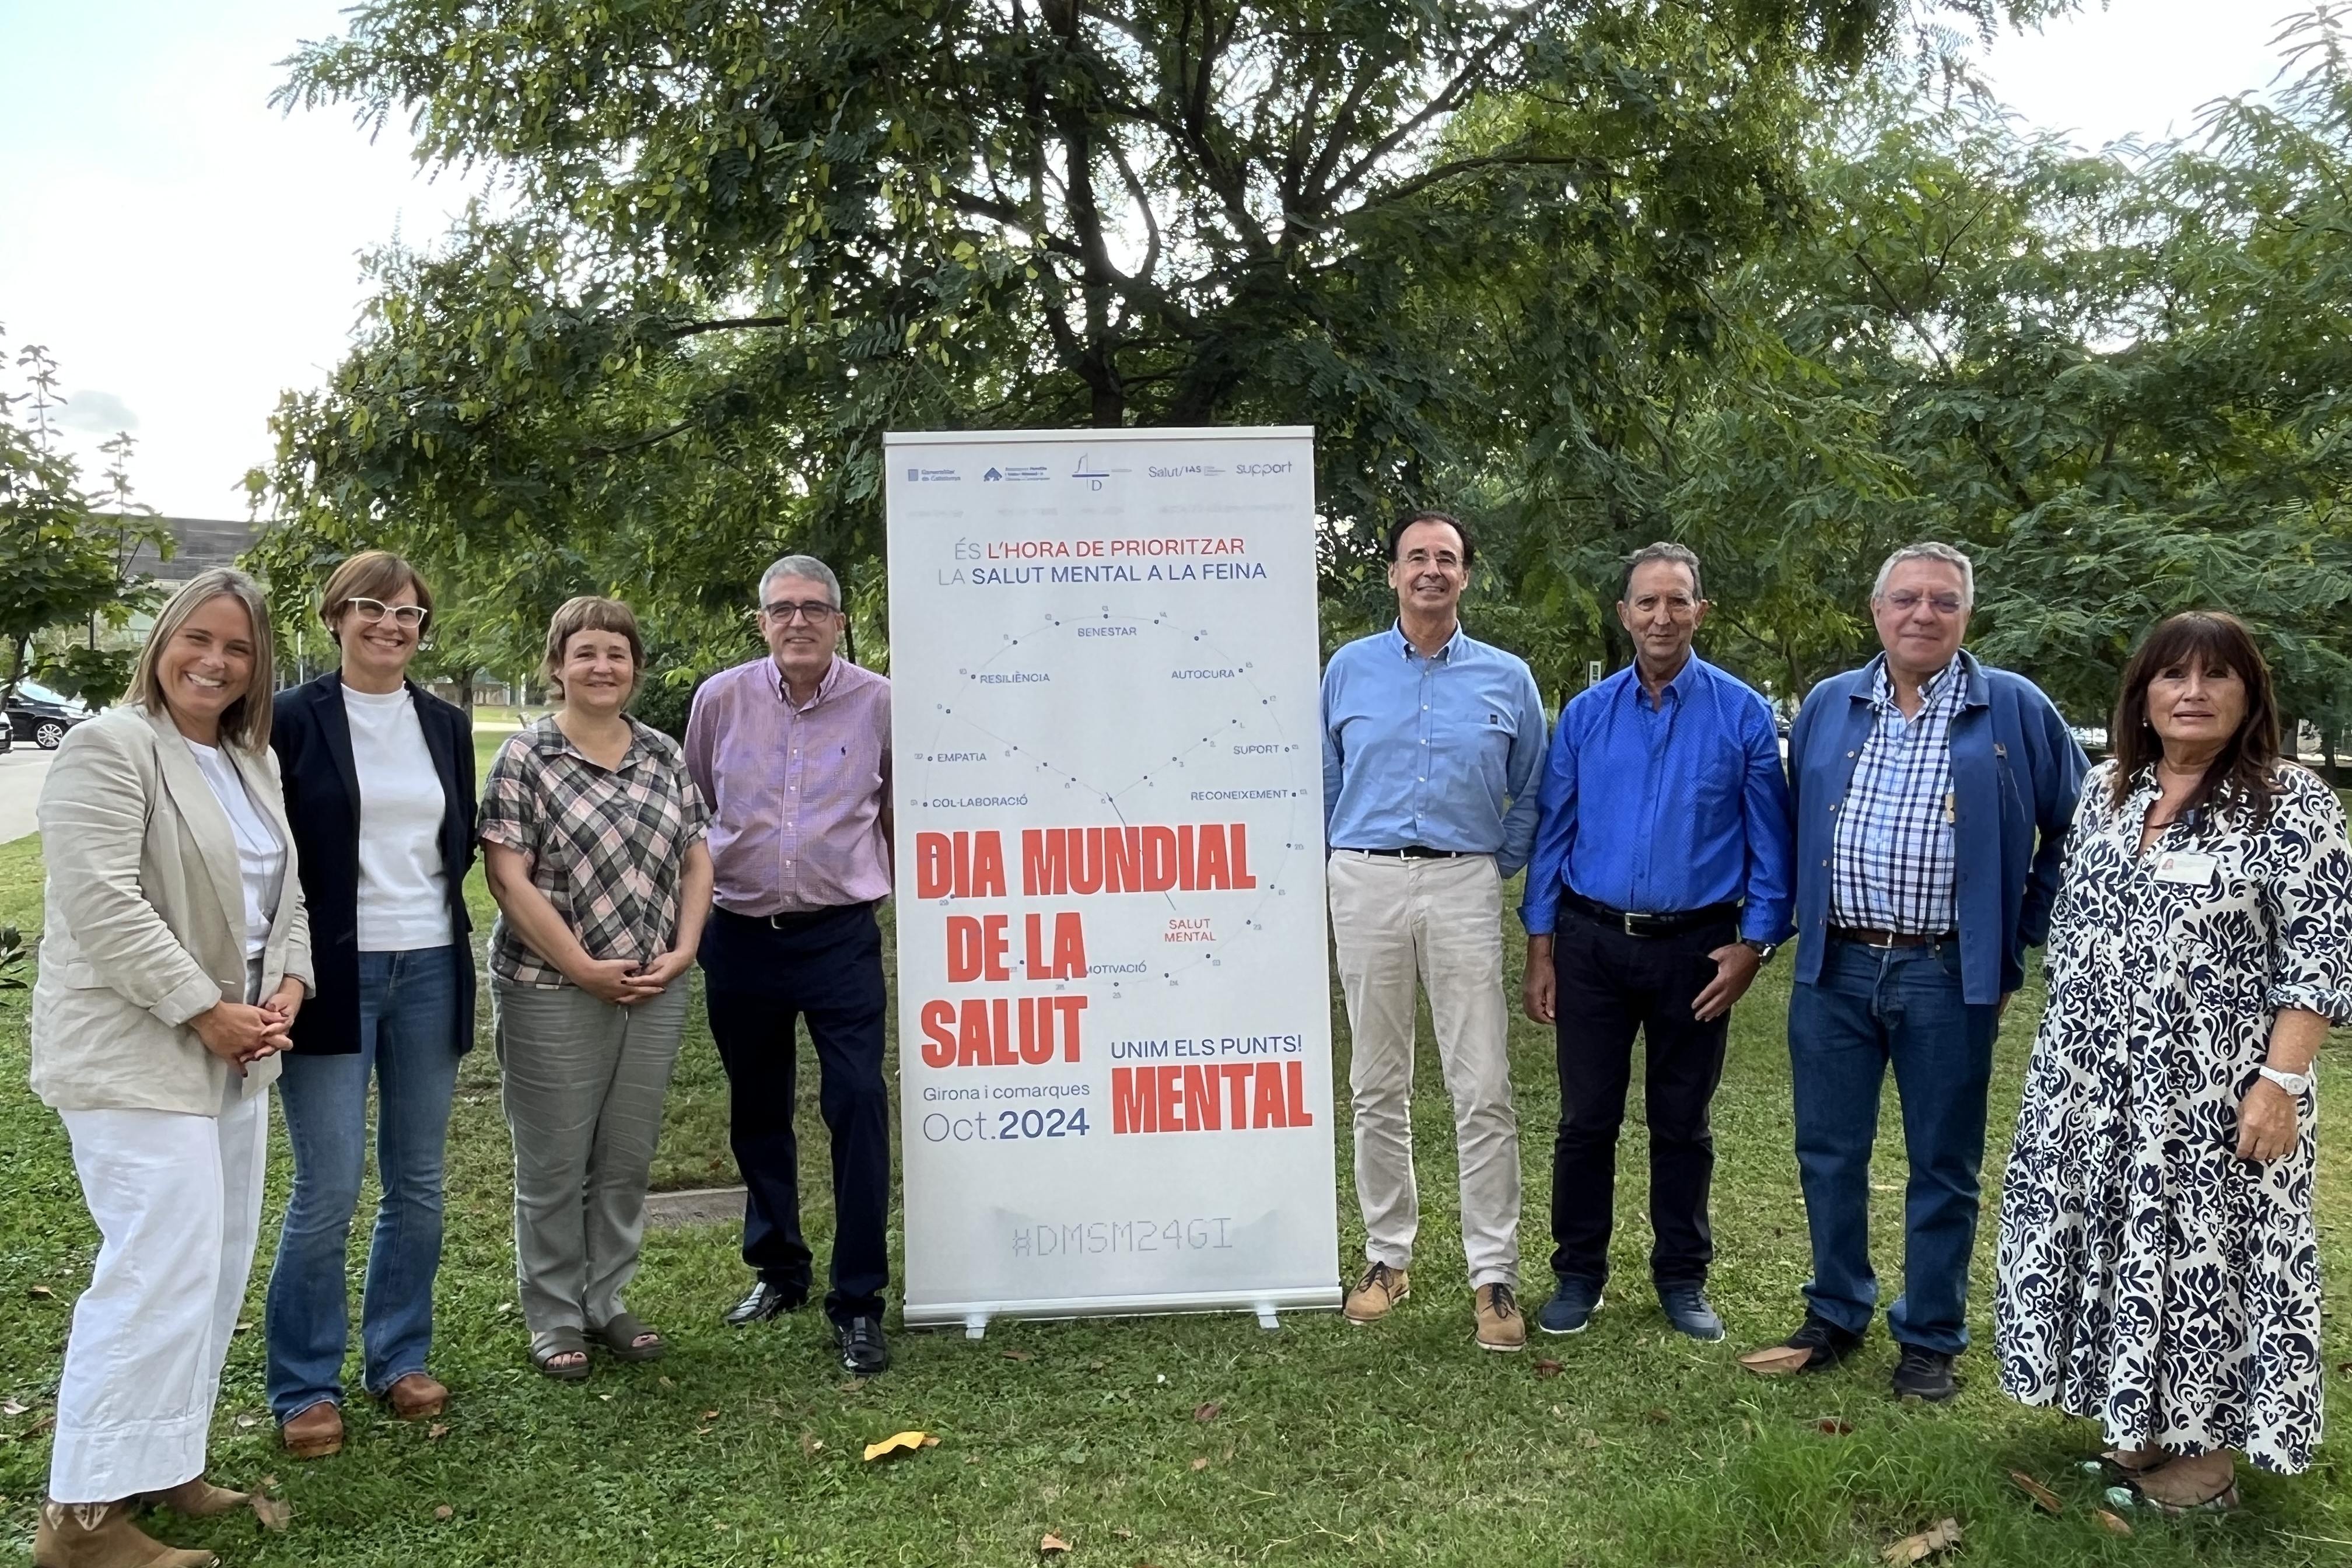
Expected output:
(1661, 880)
(1432, 741)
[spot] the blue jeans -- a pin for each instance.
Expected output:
(1871, 1007)
(406, 1002)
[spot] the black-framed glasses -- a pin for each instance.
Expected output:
(812, 611)
(371, 611)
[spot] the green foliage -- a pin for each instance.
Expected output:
(12, 959)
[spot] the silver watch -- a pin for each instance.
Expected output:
(2294, 1083)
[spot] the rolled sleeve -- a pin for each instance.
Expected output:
(509, 817)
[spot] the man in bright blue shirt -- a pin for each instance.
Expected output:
(1431, 743)
(1659, 884)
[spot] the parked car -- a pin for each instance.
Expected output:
(42, 716)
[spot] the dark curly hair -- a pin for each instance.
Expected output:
(2244, 772)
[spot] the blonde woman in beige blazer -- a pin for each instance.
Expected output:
(174, 955)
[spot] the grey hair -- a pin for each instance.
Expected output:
(1929, 549)
(1678, 554)
(807, 566)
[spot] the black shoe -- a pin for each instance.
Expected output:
(765, 1302)
(1922, 1373)
(862, 1349)
(1686, 1308)
(1824, 1343)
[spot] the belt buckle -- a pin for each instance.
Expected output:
(1886, 946)
(1630, 917)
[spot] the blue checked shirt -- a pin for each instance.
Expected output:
(1892, 866)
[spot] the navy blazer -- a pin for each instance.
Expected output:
(312, 738)
(2016, 773)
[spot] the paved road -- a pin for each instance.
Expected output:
(22, 769)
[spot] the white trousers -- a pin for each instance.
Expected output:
(1441, 922)
(177, 1199)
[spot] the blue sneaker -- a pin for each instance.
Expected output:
(1686, 1308)
(1569, 1312)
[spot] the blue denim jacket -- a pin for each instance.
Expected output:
(2016, 773)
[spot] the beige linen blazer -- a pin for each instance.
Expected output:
(144, 917)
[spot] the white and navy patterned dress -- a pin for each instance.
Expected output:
(2149, 1278)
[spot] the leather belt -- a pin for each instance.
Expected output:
(1867, 936)
(1633, 923)
(1417, 852)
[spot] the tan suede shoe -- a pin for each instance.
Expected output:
(416, 1396)
(197, 1498)
(1501, 1325)
(102, 1535)
(315, 1432)
(1376, 1294)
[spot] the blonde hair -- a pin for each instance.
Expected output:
(245, 722)
(587, 613)
(371, 574)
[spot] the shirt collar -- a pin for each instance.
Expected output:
(1684, 680)
(1952, 681)
(1453, 644)
(552, 741)
(825, 685)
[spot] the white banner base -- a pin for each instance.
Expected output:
(965, 1314)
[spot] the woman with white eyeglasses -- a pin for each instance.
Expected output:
(378, 779)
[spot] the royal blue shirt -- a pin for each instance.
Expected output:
(1440, 751)
(1666, 807)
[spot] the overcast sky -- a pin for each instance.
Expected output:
(187, 253)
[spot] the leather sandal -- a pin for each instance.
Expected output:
(621, 1332)
(548, 1343)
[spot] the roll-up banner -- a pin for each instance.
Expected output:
(1114, 1004)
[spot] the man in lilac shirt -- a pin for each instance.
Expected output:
(792, 754)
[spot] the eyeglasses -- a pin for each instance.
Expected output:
(1903, 601)
(371, 611)
(812, 612)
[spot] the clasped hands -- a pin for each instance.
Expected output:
(624, 983)
(238, 1033)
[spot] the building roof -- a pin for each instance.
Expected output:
(204, 542)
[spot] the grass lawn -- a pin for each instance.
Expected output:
(1326, 1442)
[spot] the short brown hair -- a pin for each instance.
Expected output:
(243, 723)
(2243, 776)
(369, 574)
(588, 613)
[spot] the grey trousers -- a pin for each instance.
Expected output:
(583, 1084)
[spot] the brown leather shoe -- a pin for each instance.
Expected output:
(102, 1535)
(416, 1396)
(1501, 1325)
(197, 1498)
(1376, 1294)
(314, 1433)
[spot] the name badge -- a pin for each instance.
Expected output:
(2181, 866)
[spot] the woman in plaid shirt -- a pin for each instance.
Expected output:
(592, 836)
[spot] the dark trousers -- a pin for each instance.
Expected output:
(759, 981)
(1871, 1009)
(1612, 987)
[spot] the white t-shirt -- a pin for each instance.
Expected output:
(260, 853)
(404, 890)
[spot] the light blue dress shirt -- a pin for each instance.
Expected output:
(1664, 807)
(1439, 751)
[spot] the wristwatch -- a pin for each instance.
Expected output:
(2293, 1082)
(1763, 949)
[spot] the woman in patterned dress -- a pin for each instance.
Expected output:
(2159, 1265)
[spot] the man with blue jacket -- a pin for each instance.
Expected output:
(1932, 797)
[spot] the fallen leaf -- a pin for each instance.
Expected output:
(38, 1428)
(1588, 1437)
(240, 1328)
(506, 1306)
(268, 1483)
(664, 1382)
(248, 1419)
(444, 1512)
(1831, 1427)
(1659, 1417)
(710, 1415)
(855, 1385)
(2044, 1497)
(1127, 1535)
(1208, 1412)
(1777, 1360)
(1926, 1543)
(901, 1442)
(1201, 1463)
(1019, 1355)
(1549, 1369)
(810, 1444)
(605, 1398)
(40, 1293)
(273, 1512)
(1051, 1544)
(436, 1432)
(2113, 1524)
(12, 1407)
(702, 1431)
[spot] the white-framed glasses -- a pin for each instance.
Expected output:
(371, 611)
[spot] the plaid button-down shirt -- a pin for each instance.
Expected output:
(607, 848)
(1892, 866)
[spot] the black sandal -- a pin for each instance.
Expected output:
(548, 1343)
(621, 1332)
